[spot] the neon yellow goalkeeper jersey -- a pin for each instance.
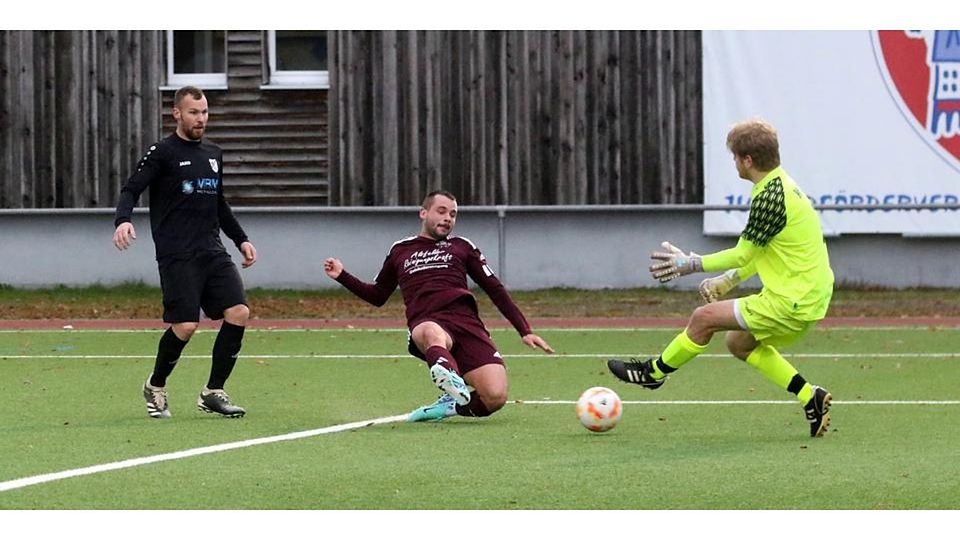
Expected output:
(784, 244)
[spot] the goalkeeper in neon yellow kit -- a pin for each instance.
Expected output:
(783, 243)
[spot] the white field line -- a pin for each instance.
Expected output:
(507, 356)
(136, 462)
(748, 402)
(404, 330)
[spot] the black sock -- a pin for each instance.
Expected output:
(474, 408)
(664, 367)
(796, 384)
(168, 352)
(225, 351)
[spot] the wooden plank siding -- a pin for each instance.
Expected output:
(516, 117)
(78, 109)
(274, 141)
(74, 106)
(498, 117)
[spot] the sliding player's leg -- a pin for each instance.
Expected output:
(435, 344)
(482, 368)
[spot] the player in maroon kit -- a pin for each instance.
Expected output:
(445, 327)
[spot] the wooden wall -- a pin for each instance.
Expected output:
(76, 110)
(498, 117)
(274, 141)
(516, 117)
(79, 108)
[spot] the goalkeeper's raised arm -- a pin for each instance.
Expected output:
(768, 217)
(673, 262)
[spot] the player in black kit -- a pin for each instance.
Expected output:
(187, 212)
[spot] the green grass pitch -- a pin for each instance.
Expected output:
(71, 399)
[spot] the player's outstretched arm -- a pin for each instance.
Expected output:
(536, 342)
(376, 293)
(333, 267)
(124, 235)
(673, 263)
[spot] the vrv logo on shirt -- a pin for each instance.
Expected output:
(207, 183)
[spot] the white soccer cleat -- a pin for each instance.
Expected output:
(451, 383)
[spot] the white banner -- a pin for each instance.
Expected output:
(864, 118)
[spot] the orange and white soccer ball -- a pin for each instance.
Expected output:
(599, 409)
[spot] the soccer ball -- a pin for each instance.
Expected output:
(599, 409)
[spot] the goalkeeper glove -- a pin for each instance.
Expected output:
(711, 289)
(674, 263)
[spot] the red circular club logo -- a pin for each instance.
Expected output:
(922, 72)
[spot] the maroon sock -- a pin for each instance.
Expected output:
(437, 354)
(474, 408)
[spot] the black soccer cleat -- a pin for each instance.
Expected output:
(817, 411)
(217, 401)
(635, 371)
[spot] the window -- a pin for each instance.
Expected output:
(197, 57)
(298, 58)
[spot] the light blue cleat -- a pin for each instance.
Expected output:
(438, 410)
(451, 383)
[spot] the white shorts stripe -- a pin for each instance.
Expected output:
(736, 312)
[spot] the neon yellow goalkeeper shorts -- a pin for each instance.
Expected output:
(772, 321)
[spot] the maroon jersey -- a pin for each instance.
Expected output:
(432, 275)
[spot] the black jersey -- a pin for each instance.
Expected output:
(187, 208)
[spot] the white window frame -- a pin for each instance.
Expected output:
(203, 80)
(291, 79)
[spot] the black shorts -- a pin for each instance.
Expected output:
(207, 280)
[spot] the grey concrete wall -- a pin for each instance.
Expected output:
(580, 247)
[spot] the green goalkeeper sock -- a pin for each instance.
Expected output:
(780, 372)
(680, 351)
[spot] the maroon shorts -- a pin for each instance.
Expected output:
(472, 346)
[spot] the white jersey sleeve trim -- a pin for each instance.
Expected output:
(402, 240)
(467, 240)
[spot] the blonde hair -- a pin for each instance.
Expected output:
(758, 139)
